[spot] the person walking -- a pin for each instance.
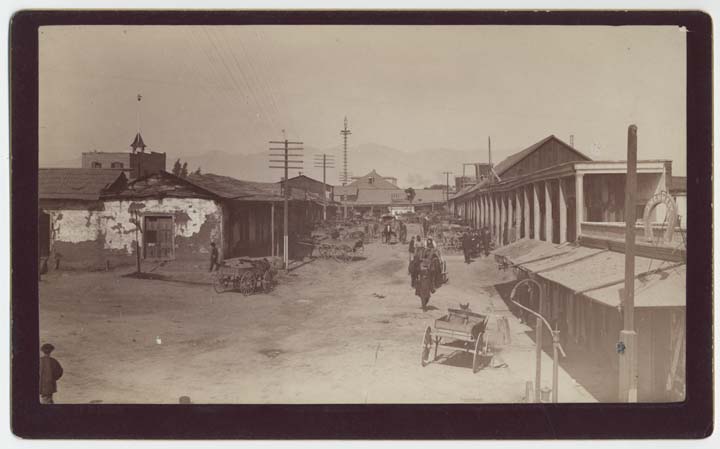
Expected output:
(423, 284)
(50, 373)
(214, 265)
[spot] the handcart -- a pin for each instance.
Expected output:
(460, 329)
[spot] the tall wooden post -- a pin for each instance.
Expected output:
(549, 231)
(538, 345)
(526, 213)
(562, 210)
(272, 229)
(579, 204)
(536, 213)
(627, 348)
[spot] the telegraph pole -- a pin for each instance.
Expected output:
(345, 133)
(627, 346)
(447, 188)
(288, 163)
(325, 161)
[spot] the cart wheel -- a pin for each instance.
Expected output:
(246, 283)
(478, 351)
(346, 253)
(337, 253)
(221, 282)
(426, 345)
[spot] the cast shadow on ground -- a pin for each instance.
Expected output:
(582, 365)
(164, 278)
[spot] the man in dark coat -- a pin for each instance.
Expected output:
(423, 284)
(467, 246)
(50, 372)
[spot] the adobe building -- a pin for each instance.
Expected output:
(94, 218)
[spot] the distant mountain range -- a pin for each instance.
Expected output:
(417, 169)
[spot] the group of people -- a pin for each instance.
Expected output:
(397, 228)
(474, 242)
(424, 269)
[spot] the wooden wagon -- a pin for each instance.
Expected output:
(246, 276)
(460, 329)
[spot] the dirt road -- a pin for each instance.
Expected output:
(330, 333)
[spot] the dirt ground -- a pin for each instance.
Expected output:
(329, 333)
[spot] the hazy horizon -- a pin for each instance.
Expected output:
(410, 88)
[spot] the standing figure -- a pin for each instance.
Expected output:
(214, 257)
(50, 372)
(467, 246)
(411, 249)
(425, 225)
(423, 284)
(414, 266)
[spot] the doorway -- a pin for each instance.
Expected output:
(158, 237)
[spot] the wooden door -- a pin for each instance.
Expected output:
(158, 237)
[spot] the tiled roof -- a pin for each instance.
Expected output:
(77, 183)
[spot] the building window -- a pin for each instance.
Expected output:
(96, 165)
(116, 165)
(371, 180)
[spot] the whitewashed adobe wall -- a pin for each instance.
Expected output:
(191, 214)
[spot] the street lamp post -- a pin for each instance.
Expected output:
(557, 348)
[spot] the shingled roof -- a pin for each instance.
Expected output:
(78, 183)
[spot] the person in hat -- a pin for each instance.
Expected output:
(50, 372)
(214, 265)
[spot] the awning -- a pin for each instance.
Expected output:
(599, 274)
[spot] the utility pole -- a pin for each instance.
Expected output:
(627, 346)
(447, 188)
(489, 152)
(325, 161)
(345, 133)
(294, 164)
(572, 140)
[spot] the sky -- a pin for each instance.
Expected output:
(412, 88)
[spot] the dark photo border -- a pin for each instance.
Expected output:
(692, 418)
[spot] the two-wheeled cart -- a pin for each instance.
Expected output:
(460, 329)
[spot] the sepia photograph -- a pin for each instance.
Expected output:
(362, 214)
